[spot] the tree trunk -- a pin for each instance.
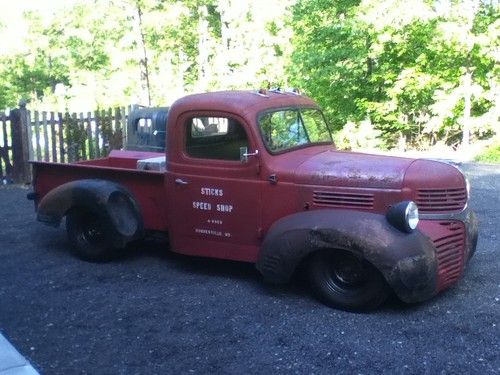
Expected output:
(466, 125)
(473, 8)
(144, 61)
(203, 49)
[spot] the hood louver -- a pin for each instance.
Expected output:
(343, 200)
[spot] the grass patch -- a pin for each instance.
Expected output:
(490, 155)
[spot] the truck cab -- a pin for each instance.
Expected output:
(254, 176)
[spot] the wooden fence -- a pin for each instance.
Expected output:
(5, 147)
(56, 137)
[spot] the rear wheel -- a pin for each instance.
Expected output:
(345, 281)
(87, 234)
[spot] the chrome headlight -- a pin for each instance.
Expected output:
(403, 216)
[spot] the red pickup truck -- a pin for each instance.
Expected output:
(254, 176)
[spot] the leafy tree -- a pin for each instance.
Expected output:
(28, 76)
(418, 71)
(330, 58)
(398, 65)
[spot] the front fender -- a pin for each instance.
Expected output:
(406, 260)
(106, 198)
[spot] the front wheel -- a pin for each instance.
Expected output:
(345, 281)
(87, 235)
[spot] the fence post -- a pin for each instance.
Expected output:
(20, 148)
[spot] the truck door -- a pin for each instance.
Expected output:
(215, 198)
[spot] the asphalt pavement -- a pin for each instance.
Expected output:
(154, 312)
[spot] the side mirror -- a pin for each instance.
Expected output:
(244, 154)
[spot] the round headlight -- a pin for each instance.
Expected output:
(403, 216)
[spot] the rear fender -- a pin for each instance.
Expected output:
(110, 200)
(406, 260)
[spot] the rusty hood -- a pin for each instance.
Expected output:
(352, 169)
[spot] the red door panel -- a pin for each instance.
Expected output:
(216, 205)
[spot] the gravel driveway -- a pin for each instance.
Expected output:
(154, 312)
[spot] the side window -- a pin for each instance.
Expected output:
(217, 138)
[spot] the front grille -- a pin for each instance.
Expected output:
(441, 200)
(450, 253)
(343, 200)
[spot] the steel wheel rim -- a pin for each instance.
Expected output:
(345, 273)
(91, 232)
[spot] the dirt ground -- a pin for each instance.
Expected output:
(154, 312)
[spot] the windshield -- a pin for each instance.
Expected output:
(291, 127)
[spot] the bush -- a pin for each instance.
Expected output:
(491, 154)
(356, 136)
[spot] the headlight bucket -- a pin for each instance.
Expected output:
(403, 216)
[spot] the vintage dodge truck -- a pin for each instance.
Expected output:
(254, 176)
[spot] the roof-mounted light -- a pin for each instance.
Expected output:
(262, 92)
(276, 90)
(293, 90)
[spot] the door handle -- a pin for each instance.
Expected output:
(180, 181)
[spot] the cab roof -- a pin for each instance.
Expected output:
(243, 103)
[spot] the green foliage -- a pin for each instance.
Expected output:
(75, 137)
(490, 155)
(329, 59)
(78, 140)
(362, 135)
(25, 76)
(106, 53)
(112, 137)
(418, 70)
(404, 72)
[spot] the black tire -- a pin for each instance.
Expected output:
(345, 281)
(87, 233)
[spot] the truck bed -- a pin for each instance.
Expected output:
(120, 167)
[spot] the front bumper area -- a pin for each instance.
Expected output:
(472, 231)
(453, 241)
(414, 279)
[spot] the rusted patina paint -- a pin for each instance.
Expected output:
(407, 261)
(113, 202)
